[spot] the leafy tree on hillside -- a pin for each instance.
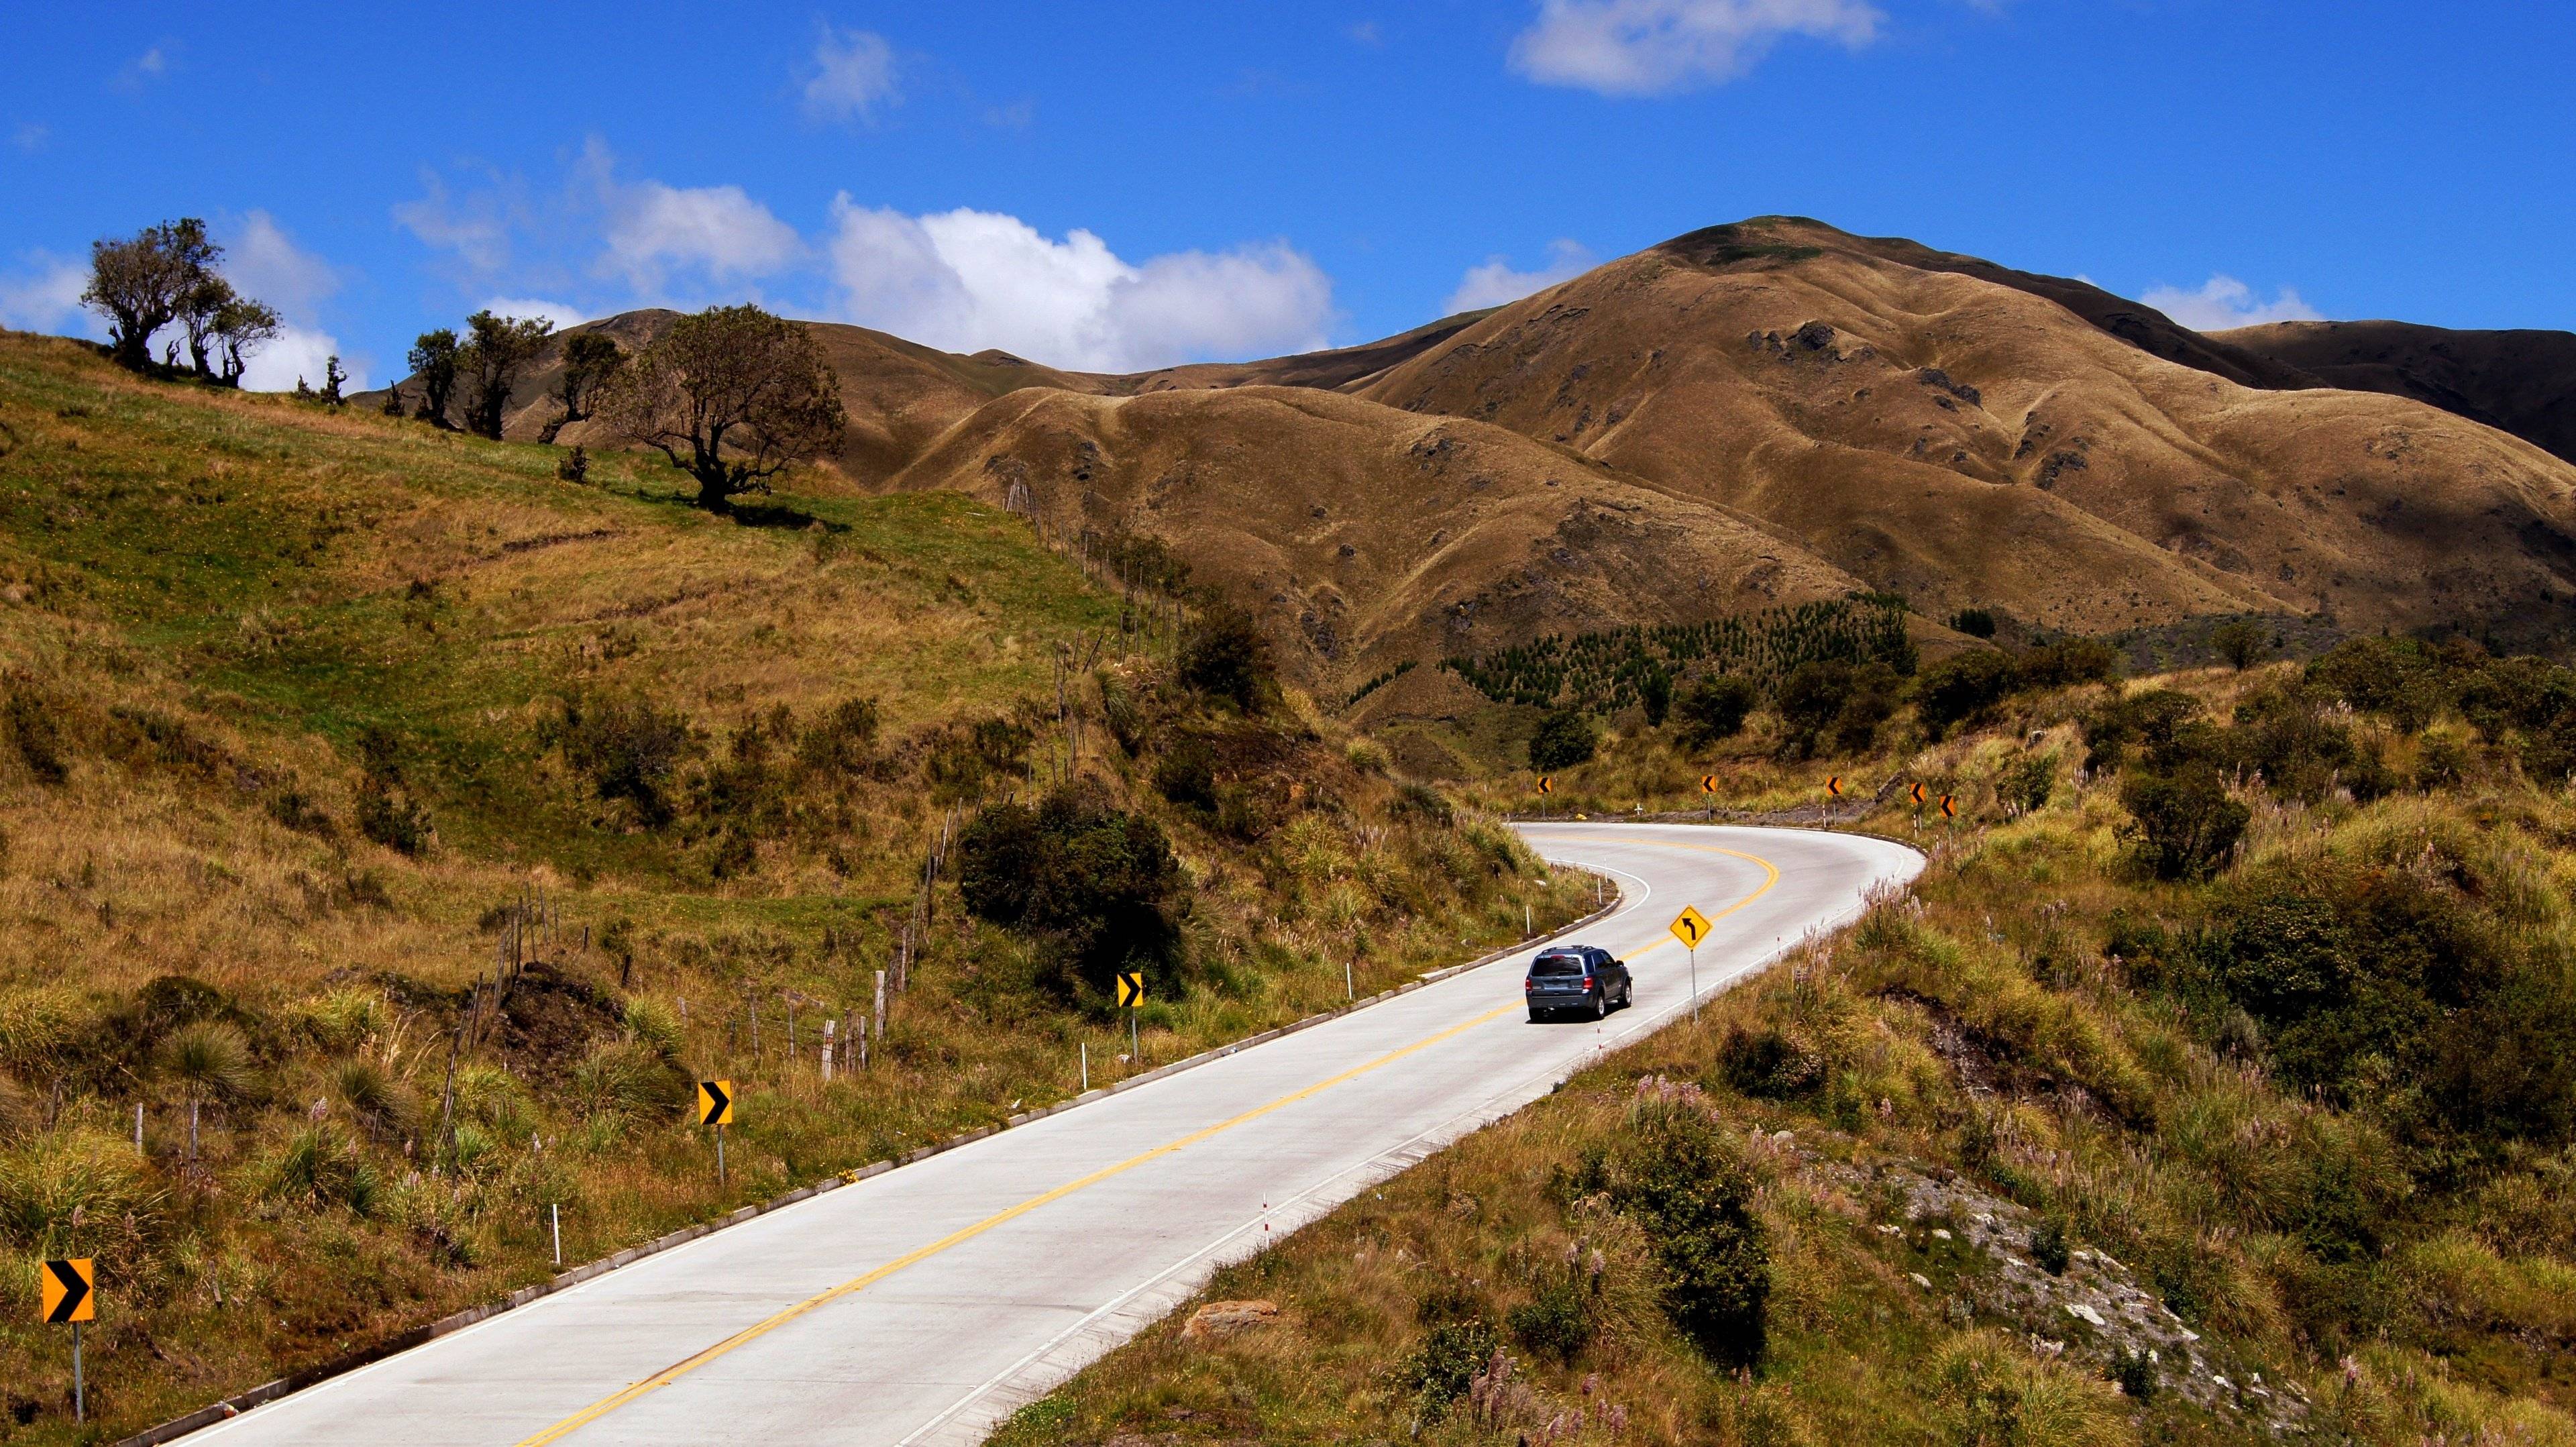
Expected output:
(143, 282)
(433, 361)
(590, 360)
(1715, 708)
(1226, 657)
(1655, 694)
(2239, 641)
(239, 327)
(1097, 884)
(732, 396)
(1562, 740)
(495, 351)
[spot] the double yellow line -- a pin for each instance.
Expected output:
(759, 1329)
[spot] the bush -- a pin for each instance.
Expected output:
(76, 1192)
(2024, 785)
(2185, 823)
(2398, 678)
(1848, 700)
(1655, 695)
(2048, 1248)
(1769, 1065)
(2241, 643)
(1691, 1194)
(1562, 739)
(1714, 709)
(1961, 689)
(34, 724)
(1226, 658)
(1187, 775)
(320, 1167)
(1097, 884)
(629, 1080)
(388, 812)
(628, 748)
(1975, 622)
(2147, 723)
(1557, 1321)
(1440, 1370)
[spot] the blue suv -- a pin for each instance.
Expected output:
(1578, 979)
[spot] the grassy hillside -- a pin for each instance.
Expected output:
(400, 826)
(2209, 1086)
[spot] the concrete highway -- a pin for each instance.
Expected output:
(925, 1304)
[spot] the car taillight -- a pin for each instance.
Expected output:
(1528, 985)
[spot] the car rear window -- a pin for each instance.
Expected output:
(1555, 967)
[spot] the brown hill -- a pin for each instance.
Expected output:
(1964, 440)
(1364, 535)
(2523, 382)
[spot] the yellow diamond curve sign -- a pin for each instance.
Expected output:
(1691, 928)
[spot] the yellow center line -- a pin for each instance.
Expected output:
(756, 1330)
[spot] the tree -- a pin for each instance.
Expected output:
(1975, 622)
(433, 361)
(198, 309)
(142, 282)
(1715, 708)
(332, 377)
(2240, 641)
(240, 327)
(1655, 692)
(1097, 884)
(496, 350)
(2185, 822)
(590, 360)
(732, 396)
(1226, 657)
(1562, 739)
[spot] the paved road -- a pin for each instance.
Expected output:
(925, 1304)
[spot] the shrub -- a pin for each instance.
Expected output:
(628, 748)
(318, 1166)
(2048, 1248)
(34, 724)
(1563, 738)
(1225, 657)
(1715, 708)
(629, 1080)
(1768, 1064)
(2146, 723)
(1691, 1194)
(1097, 884)
(1440, 1370)
(2397, 678)
(1655, 695)
(2185, 823)
(1557, 1321)
(1848, 700)
(388, 813)
(842, 741)
(76, 1193)
(1975, 622)
(2024, 785)
(2240, 642)
(1187, 775)
(1961, 689)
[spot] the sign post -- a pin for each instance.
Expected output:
(1834, 786)
(1690, 928)
(1708, 786)
(69, 1294)
(715, 1108)
(1546, 786)
(1131, 993)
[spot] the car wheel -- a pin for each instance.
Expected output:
(1627, 994)
(1600, 1003)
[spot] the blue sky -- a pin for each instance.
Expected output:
(1132, 185)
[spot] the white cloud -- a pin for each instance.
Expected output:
(46, 298)
(477, 227)
(298, 352)
(261, 261)
(1495, 283)
(2223, 302)
(30, 135)
(853, 75)
(528, 306)
(717, 230)
(1650, 47)
(967, 280)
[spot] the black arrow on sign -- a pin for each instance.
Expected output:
(75, 1291)
(717, 1101)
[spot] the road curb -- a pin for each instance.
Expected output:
(267, 1392)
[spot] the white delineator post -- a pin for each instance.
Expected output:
(827, 1049)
